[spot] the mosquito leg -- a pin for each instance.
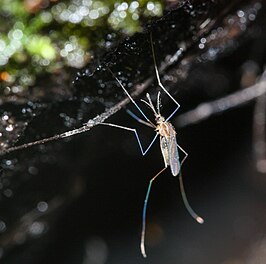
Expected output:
(183, 193)
(143, 152)
(186, 203)
(159, 80)
(142, 241)
(139, 119)
(129, 96)
(186, 154)
(170, 116)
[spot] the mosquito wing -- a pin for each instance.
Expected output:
(164, 143)
(169, 148)
(173, 155)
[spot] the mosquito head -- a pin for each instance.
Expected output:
(159, 119)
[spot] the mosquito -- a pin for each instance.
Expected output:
(163, 128)
(168, 143)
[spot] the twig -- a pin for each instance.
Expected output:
(200, 113)
(87, 126)
(259, 145)
(205, 110)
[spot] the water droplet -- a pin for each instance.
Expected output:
(251, 17)
(122, 14)
(8, 162)
(258, 6)
(17, 34)
(33, 170)
(9, 128)
(243, 20)
(37, 228)
(203, 40)
(240, 13)
(8, 193)
(122, 7)
(5, 117)
(201, 46)
(42, 206)
(94, 14)
(135, 16)
(134, 5)
(150, 6)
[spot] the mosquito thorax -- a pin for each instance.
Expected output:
(160, 121)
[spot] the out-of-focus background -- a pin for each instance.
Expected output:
(80, 199)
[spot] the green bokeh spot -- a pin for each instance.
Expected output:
(41, 46)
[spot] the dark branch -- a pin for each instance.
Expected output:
(205, 110)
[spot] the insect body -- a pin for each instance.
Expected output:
(167, 135)
(169, 146)
(169, 149)
(168, 143)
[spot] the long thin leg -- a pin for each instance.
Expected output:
(143, 152)
(159, 80)
(139, 119)
(142, 240)
(186, 155)
(170, 116)
(129, 96)
(186, 203)
(183, 192)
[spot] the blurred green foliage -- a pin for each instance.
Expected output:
(44, 36)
